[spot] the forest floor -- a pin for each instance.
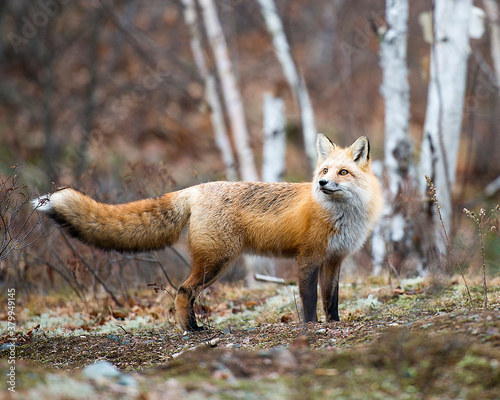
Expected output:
(422, 340)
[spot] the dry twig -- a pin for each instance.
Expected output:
(434, 198)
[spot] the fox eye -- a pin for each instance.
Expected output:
(343, 172)
(325, 170)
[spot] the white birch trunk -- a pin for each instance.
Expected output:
(492, 187)
(299, 89)
(212, 97)
(230, 91)
(273, 165)
(491, 7)
(396, 92)
(379, 240)
(449, 53)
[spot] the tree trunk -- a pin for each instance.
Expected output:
(275, 28)
(398, 148)
(396, 92)
(230, 91)
(50, 150)
(491, 7)
(212, 97)
(273, 166)
(90, 101)
(449, 53)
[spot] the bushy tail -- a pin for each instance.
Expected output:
(143, 225)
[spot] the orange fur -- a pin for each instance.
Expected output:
(319, 223)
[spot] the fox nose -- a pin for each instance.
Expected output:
(323, 182)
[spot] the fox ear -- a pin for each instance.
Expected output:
(324, 147)
(360, 150)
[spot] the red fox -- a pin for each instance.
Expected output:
(317, 223)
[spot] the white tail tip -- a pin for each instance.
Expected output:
(42, 203)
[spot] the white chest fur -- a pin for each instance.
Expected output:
(352, 227)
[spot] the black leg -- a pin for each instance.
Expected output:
(203, 274)
(308, 289)
(329, 281)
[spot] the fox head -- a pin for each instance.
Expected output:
(342, 173)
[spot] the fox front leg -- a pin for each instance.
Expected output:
(329, 281)
(308, 289)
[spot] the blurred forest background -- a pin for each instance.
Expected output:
(105, 96)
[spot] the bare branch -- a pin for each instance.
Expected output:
(16, 226)
(89, 267)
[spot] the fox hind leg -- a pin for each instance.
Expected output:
(184, 302)
(205, 271)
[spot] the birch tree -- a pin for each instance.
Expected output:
(296, 82)
(442, 127)
(396, 92)
(273, 165)
(231, 94)
(212, 97)
(491, 8)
